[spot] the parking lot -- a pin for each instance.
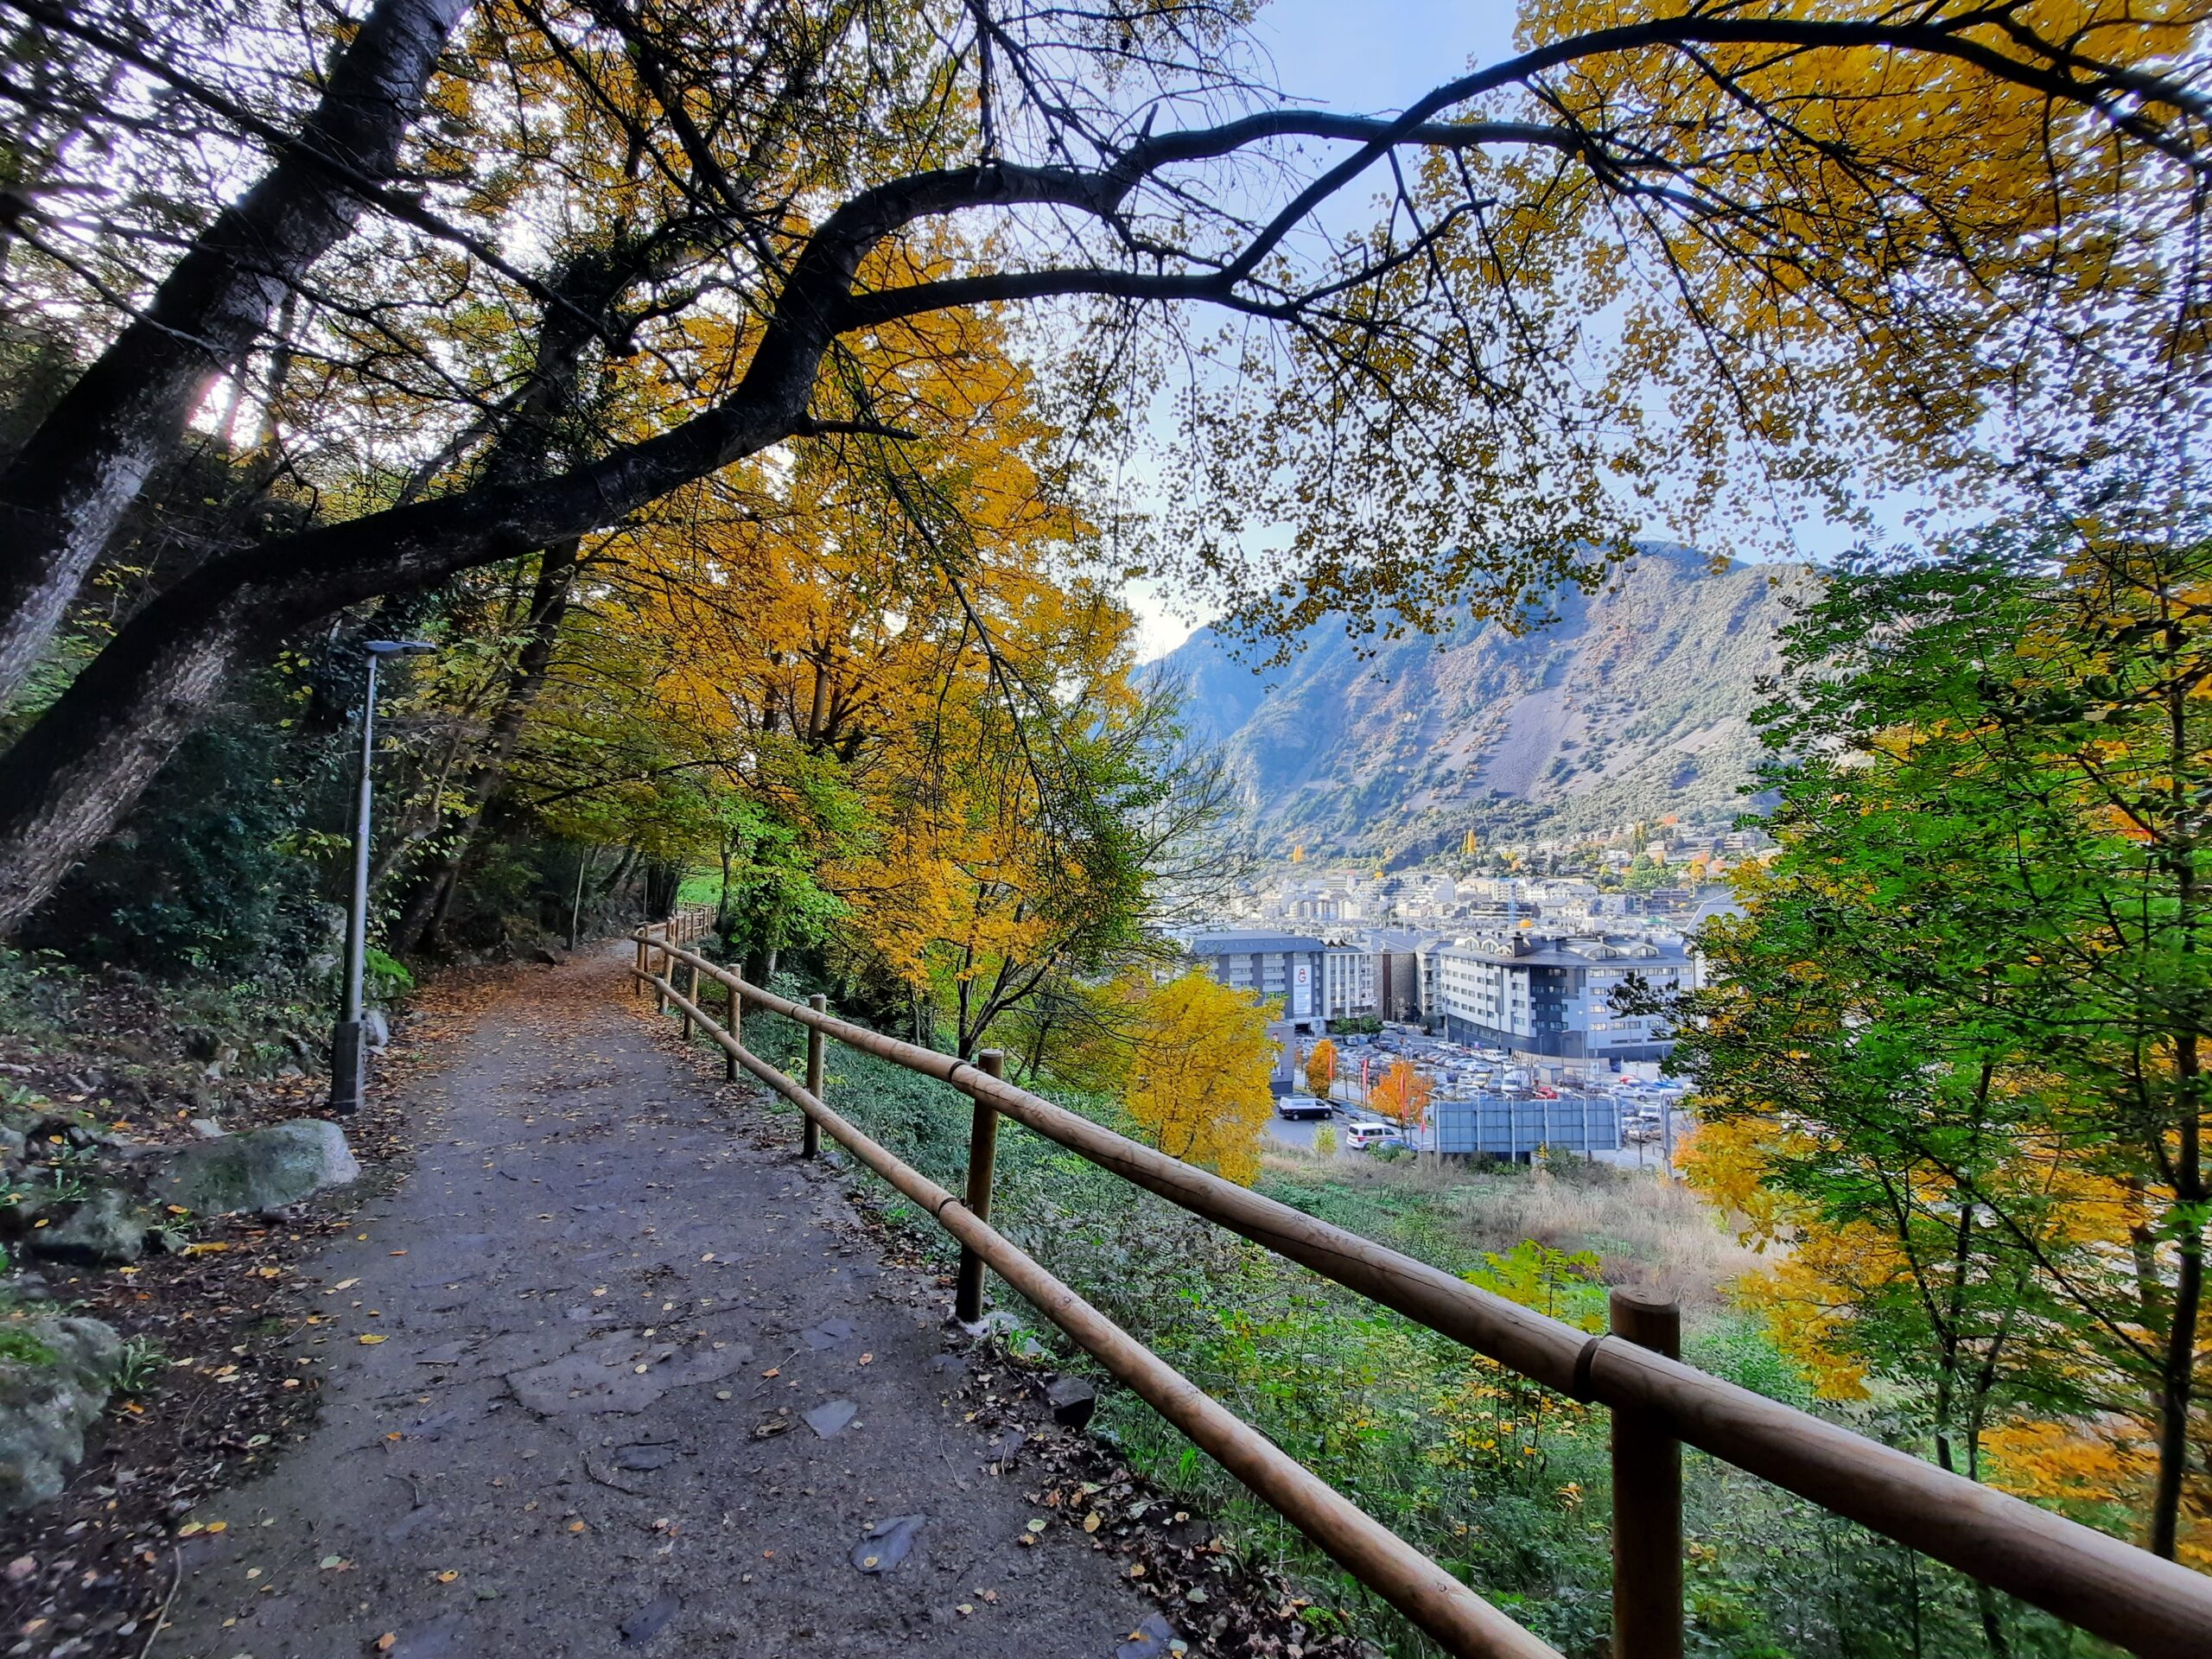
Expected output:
(1300, 1133)
(1462, 1072)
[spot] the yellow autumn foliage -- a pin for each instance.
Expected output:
(2109, 1465)
(1402, 1096)
(1199, 1076)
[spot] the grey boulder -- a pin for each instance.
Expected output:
(54, 1377)
(98, 1231)
(261, 1169)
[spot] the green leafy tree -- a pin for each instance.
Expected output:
(770, 900)
(1962, 1013)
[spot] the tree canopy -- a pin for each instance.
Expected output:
(1951, 1052)
(471, 283)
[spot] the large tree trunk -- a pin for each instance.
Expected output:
(591, 281)
(66, 782)
(69, 486)
(664, 882)
(2177, 1392)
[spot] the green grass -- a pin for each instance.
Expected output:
(24, 1349)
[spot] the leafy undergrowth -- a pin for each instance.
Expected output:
(1506, 1484)
(210, 1390)
(155, 1053)
(1225, 1599)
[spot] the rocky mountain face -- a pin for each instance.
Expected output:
(1634, 703)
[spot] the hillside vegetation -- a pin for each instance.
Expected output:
(1508, 1485)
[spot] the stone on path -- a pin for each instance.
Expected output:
(1149, 1640)
(431, 1641)
(620, 1372)
(1073, 1401)
(649, 1620)
(887, 1543)
(831, 1419)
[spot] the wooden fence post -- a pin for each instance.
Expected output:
(664, 964)
(693, 998)
(638, 986)
(737, 1032)
(1646, 1495)
(983, 1153)
(810, 1140)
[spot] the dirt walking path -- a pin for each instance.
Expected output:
(609, 1374)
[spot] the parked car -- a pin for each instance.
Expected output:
(1298, 1106)
(1365, 1136)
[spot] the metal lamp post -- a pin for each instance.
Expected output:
(348, 1050)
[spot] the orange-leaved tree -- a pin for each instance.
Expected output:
(1198, 1075)
(1321, 1067)
(890, 648)
(1404, 1095)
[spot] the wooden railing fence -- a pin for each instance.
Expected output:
(2125, 1595)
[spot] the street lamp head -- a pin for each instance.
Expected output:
(396, 647)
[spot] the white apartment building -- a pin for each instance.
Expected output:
(1347, 983)
(1551, 995)
(1285, 965)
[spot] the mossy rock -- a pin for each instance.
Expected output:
(54, 1377)
(100, 1230)
(262, 1169)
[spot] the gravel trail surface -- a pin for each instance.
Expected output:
(613, 1372)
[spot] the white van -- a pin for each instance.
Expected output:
(1365, 1135)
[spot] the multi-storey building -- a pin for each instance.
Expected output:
(1400, 967)
(1553, 996)
(1348, 983)
(1290, 966)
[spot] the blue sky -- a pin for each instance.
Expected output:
(1378, 57)
(1364, 59)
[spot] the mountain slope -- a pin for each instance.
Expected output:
(1633, 704)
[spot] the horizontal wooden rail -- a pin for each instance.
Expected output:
(2112, 1589)
(1447, 1609)
(684, 923)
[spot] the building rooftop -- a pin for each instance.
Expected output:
(1543, 952)
(1240, 942)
